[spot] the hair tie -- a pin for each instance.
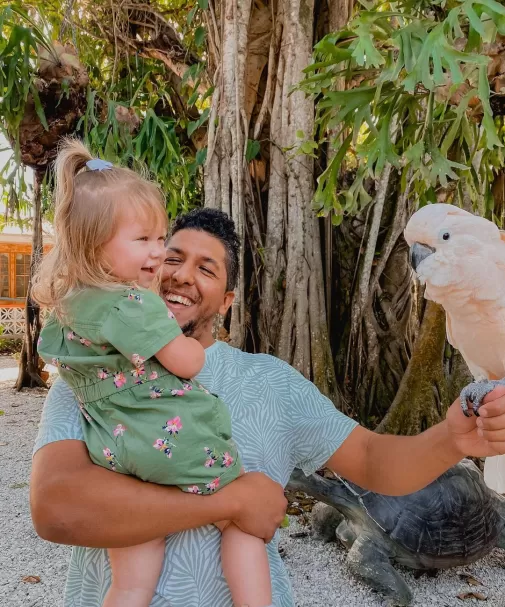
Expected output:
(97, 164)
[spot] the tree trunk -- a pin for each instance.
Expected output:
(258, 58)
(29, 370)
(422, 399)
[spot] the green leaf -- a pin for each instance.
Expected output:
(200, 35)
(201, 156)
(308, 147)
(38, 107)
(191, 15)
(192, 126)
(474, 20)
(325, 196)
(487, 120)
(203, 4)
(252, 149)
(2, 412)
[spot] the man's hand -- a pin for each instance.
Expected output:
(482, 436)
(260, 504)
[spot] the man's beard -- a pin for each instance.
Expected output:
(189, 328)
(193, 328)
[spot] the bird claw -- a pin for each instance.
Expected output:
(474, 394)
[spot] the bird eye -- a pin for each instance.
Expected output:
(445, 235)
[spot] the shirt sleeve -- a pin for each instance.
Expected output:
(139, 325)
(61, 417)
(319, 429)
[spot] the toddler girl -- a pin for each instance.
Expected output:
(123, 354)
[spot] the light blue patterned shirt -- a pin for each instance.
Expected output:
(280, 421)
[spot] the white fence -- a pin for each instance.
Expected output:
(12, 321)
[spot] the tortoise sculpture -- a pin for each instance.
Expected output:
(453, 521)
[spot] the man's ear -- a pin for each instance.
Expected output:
(229, 298)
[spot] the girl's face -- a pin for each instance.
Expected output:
(136, 251)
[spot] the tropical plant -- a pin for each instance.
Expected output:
(127, 115)
(409, 101)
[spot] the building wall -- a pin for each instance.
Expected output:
(15, 255)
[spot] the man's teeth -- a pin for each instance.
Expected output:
(179, 299)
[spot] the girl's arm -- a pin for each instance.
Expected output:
(183, 356)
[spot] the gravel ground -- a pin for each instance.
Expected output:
(318, 572)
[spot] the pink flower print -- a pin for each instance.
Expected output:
(103, 373)
(211, 458)
(171, 316)
(104, 347)
(111, 458)
(71, 335)
(187, 387)
(85, 342)
(119, 379)
(56, 362)
(138, 371)
(119, 430)
(227, 460)
(134, 297)
(193, 489)
(173, 426)
(155, 392)
(177, 392)
(163, 444)
(138, 360)
(39, 341)
(213, 485)
(153, 375)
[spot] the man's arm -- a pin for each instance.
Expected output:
(73, 501)
(394, 465)
(399, 465)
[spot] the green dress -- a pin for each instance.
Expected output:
(137, 417)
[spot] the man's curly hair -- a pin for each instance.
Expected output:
(221, 226)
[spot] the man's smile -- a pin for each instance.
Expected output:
(177, 300)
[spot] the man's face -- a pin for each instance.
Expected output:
(194, 282)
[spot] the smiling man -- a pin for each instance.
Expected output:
(280, 421)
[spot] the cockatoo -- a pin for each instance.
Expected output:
(461, 259)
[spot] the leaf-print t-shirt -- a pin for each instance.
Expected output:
(280, 421)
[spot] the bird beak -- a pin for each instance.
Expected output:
(418, 253)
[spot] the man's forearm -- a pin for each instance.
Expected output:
(80, 507)
(399, 465)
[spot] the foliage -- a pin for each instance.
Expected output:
(20, 38)
(416, 96)
(130, 116)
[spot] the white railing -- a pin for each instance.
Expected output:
(12, 321)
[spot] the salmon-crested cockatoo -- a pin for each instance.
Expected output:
(461, 259)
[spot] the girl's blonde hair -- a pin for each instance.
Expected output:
(88, 206)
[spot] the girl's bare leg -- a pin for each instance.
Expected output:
(245, 566)
(135, 573)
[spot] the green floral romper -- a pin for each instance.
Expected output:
(138, 418)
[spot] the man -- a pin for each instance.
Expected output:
(280, 421)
